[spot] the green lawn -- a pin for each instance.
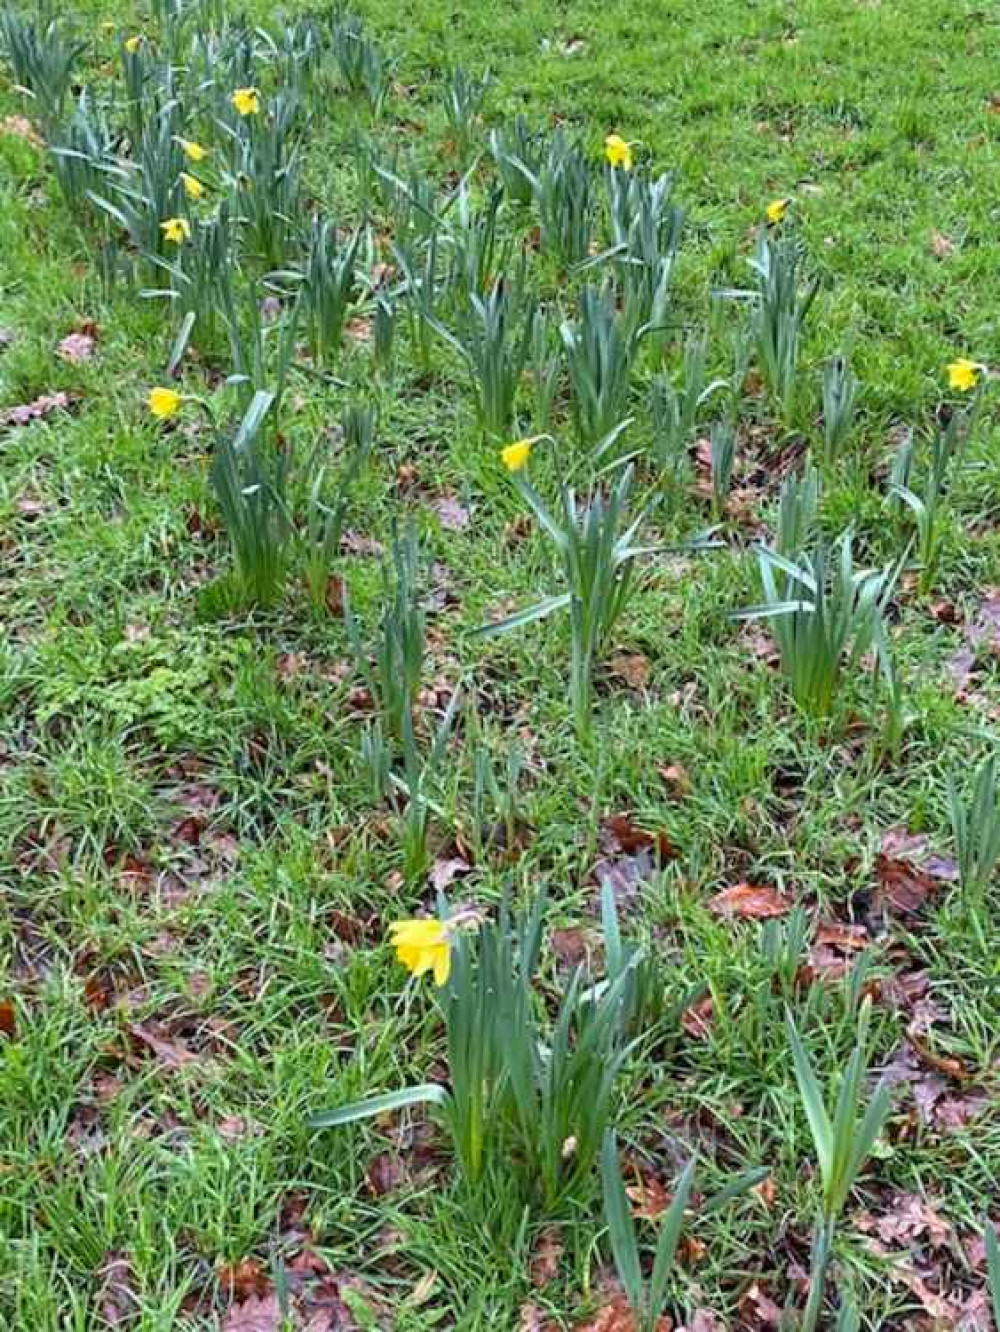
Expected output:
(200, 861)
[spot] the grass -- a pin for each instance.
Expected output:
(199, 882)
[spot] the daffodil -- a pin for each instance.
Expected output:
(776, 210)
(132, 44)
(618, 152)
(515, 456)
(964, 375)
(193, 187)
(246, 101)
(423, 945)
(176, 229)
(194, 152)
(164, 403)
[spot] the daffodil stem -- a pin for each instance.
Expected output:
(822, 1248)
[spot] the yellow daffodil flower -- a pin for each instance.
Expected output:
(176, 229)
(164, 403)
(964, 375)
(194, 152)
(775, 211)
(423, 945)
(246, 101)
(618, 152)
(132, 44)
(193, 187)
(515, 456)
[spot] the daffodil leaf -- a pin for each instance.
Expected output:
(181, 342)
(536, 612)
(424, 1093)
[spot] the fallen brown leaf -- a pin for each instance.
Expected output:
(26, 412)
(445, 871)
(906, 873)
(632, 667)
(233, 1128)
(8, 1019)
(451, 513)
(697, 1020)
(982, 636)
(241, 1281)
(676, 779)
(531, 1319)
(749, 901)
(117, 1298)
(359, 329)
(649, 1197)
(758, 1310)
(20, 127)
(546, 1257)
(256, 1314)
(571, 946)
(617, 1316)
(79, 346)
(385, 1174)
(358, 543)
(948, 1065)
(170, 1053)
(704, 1320)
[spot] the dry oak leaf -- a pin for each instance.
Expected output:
(451, 513)
(20, 127)
(910, 1218)
(906, 874)
(446, 870)
(704, 1320)
(618, 1317)
(546, 1257)
(676, 778)
(571, 946)
(78, 346)
(117, 1299)
(697, 1020)
(531, 1319)
(649, 1198)
(750, 901)
(942, 246)
(170, 1053)
(243, 1280)
(632, 667)
(26, 412)
(257, 1314)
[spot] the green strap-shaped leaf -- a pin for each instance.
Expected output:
(536, 612)
(812, 1101)
(993, 1268)
(666, 1245)
(426, 1092)
(621, 1227)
